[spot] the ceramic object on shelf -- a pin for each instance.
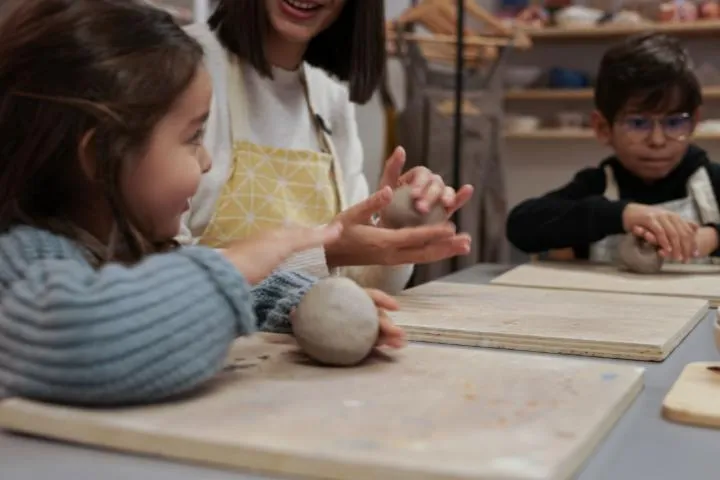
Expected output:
(521, 123)
(577, 16)
(677, 11)
(559, 77)
(709, 9)
(571, 120)
(516, 76)
(716, 329)
(710, 126)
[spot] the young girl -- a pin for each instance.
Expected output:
(102, 106)
(285, 143)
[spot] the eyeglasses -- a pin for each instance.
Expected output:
(676, 127)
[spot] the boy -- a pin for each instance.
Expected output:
(657, 185)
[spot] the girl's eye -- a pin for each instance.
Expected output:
(197, 138)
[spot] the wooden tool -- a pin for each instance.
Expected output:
(580, 323)
(693, 281)
(694, 399)
(426, 412)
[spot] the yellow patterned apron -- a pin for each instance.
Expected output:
(270, 187)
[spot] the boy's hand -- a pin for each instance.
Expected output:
(674, 236)
(707, 240)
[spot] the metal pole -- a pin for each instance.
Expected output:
(458, 123)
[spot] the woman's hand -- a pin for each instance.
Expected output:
(258, 256)
(362, 243)
(427, 187)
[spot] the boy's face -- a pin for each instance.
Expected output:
(648, 144)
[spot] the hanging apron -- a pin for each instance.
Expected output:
(270, 187)
(699, 206)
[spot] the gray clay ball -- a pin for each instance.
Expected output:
(402, 213)
(336, 322)
(636, 255)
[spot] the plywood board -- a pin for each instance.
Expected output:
(692, 281)
(426, 412)
(693, 399)
(580, 323)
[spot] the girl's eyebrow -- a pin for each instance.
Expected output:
(200, 119)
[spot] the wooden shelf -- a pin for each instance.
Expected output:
(576, 134)
(576, 94)
(699, 28)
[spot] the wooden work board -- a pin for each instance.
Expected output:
(692, 281)
(426, 412)
(693, 399)
(572, 322)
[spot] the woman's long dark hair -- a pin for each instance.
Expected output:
(107, 70)
(352, 49)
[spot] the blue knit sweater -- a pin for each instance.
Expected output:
(71, 333)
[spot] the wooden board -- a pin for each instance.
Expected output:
(426, 412)
(693, 281)
(694, 398)
(553, 321)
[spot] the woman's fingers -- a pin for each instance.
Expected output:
(461, 198)
(415, 236)
(393, 169)
(436, 251)
(361, 212)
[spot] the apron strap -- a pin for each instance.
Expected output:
(237, 103)
(611, 189)
(325, 141)
(701, 190)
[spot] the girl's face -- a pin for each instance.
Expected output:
(157, 190)
(298, 21)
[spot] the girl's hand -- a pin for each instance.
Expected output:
(428, 187)
(258, 256)
(361, 243)
(390, 334)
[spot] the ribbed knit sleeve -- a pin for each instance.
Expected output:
(119, 335)
(275, 297)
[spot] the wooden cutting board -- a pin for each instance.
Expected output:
(427, 412)
(581, 323)
(692, 281)
(695, 397)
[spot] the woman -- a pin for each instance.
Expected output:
(284, 141)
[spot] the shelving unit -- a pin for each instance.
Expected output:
(577, 94)
(578, 134)
(700, 27)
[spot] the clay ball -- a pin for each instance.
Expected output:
(336, 323)
(402, 213)
(636, 255)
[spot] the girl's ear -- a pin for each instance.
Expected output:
(87, 155)
(601, 127)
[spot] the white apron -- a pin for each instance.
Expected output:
(699, 206)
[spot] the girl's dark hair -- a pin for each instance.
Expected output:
(653, 71)
(107, 70)
(352, 49)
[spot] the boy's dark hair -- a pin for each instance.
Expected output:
(651, 70)
(73, 70)
(352, 49)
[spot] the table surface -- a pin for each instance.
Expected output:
(641, 445)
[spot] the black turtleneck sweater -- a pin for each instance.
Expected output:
(577, 214)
